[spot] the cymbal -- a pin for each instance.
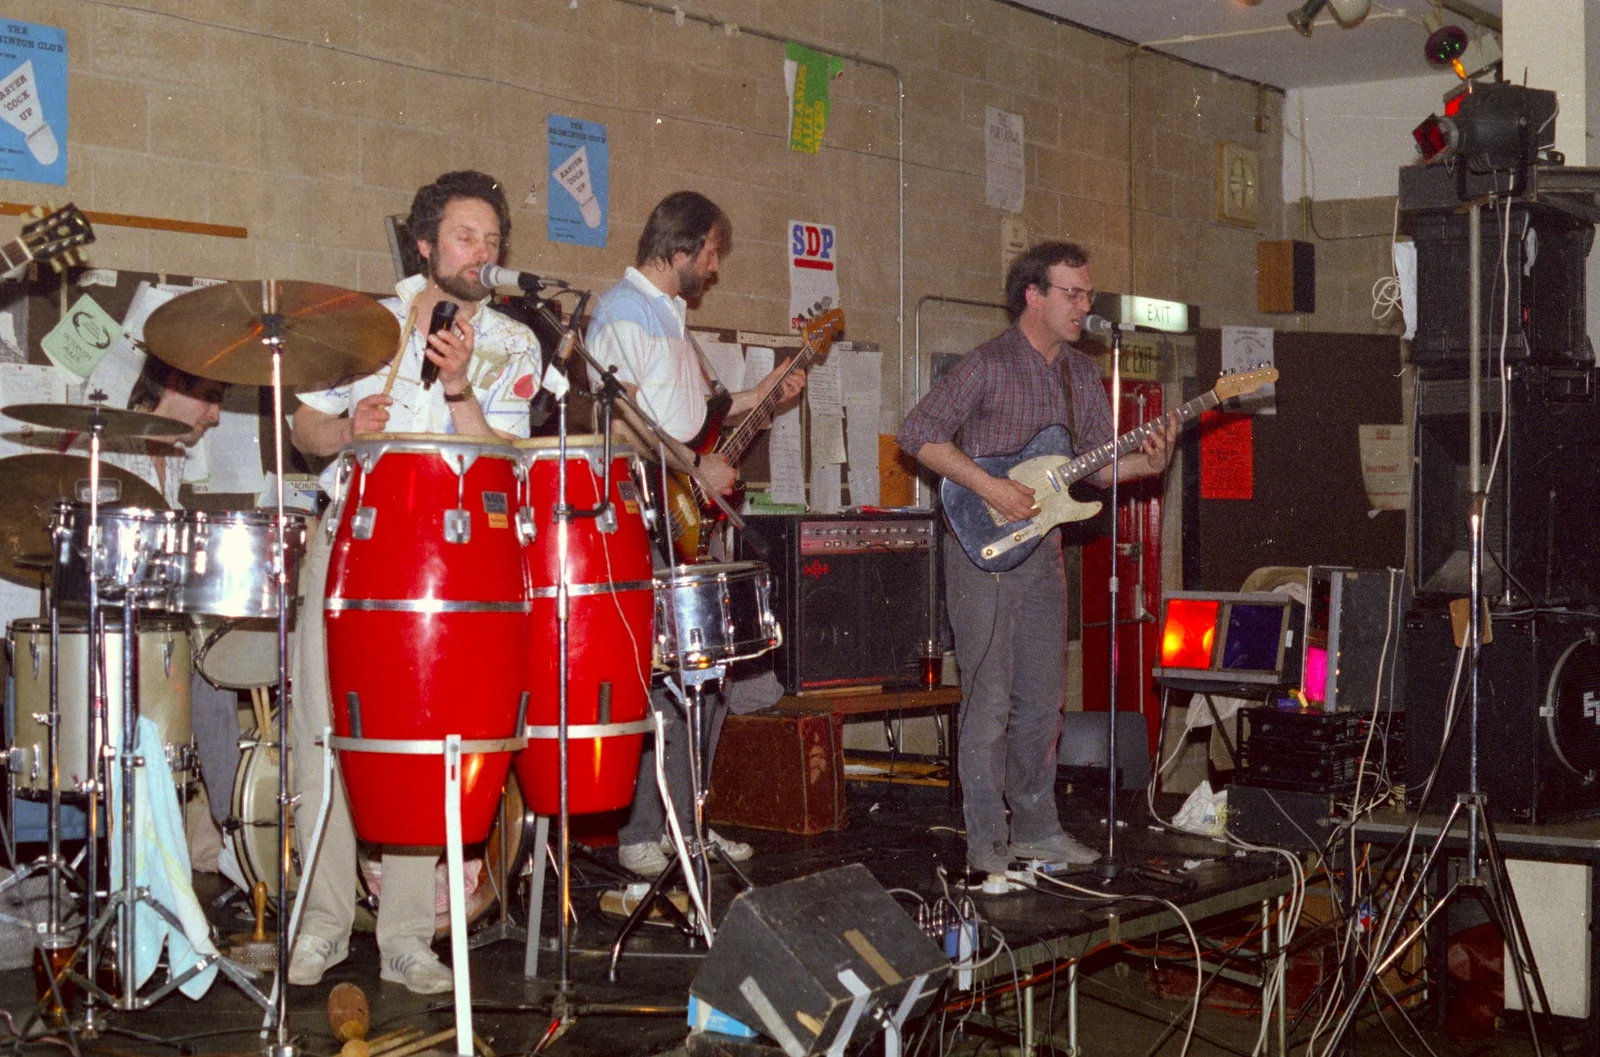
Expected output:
(328, 333)
(80, 417)
(34, 483)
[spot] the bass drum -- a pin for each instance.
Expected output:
(254, 824)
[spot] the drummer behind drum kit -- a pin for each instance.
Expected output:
(458, 568)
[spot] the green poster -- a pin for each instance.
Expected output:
(808, 74)
(81, 340)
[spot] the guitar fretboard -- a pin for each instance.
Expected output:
(1077, 469)
(18, 247)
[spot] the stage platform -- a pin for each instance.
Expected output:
(903, 834)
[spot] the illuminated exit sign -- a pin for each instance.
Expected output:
(1148, 312)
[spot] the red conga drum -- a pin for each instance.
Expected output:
(611, 607)
(426, 615)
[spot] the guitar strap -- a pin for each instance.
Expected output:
(710, 372)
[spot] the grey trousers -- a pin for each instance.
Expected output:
(214, 717)
(405, 907)
(647, 817)
(1010, 632)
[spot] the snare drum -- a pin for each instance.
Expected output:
(609, 636)
(238, 654)
(426, 617)
(135, 543)
(164, 668)
(714, 614)
(224, 563)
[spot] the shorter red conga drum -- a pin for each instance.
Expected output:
(609, 632)
(426, 617)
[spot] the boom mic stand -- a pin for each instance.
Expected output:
(1486, 879)
(1110, 866)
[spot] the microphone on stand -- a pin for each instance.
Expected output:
(492, 275)
(444, 315)
(1098, 325)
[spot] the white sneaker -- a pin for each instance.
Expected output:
(421, 971)
(646, 860)
(732, 850)
(312, 956)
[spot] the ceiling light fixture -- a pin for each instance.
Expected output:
(1347, 13)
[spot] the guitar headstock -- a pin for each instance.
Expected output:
(1242, 383)
(56, 235)
(820, 330)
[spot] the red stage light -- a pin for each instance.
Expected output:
(1190, 633)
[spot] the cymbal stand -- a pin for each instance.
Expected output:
(690, 689)
(1486, 878)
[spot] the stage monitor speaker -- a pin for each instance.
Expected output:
(1538, 526)
(1355, 628)
(809, 962)
(851, 591)
(1545, 274)
(1538, 736)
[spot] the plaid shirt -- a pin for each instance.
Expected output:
(1003, 392)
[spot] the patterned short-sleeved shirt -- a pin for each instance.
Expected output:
(503, 373)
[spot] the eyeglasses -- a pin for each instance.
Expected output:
(1074, 293)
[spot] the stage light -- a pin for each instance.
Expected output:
(1445, 46)
(1496, 128)
(1346, 12)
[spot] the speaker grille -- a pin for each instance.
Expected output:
(1572, 710)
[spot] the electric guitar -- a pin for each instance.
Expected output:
(689, 510)
(1047, 466)
(52, 237)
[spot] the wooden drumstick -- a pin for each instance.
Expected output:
(258, 705)
(399, 350)
(393, 1040)
(423, 1044)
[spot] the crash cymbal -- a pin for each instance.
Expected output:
(78, 418)
(328, 333)
(34, 483)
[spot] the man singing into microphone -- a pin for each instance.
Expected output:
(1010, 627)
(483, 373)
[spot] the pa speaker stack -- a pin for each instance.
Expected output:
(1539, 679)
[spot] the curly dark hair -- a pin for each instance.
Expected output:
(427, 208)
(156, 376)
(681, 223)
(1032, 268)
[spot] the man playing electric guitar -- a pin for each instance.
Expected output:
(1010, 627)
(639, 326)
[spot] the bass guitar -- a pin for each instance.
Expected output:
(1047, 466)
(689, 511)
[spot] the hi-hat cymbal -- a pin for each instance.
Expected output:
(34, 483)
(79, 418)
(328, 333)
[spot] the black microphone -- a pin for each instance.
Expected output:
(444, 314)
(492, 275)
(1100, 325)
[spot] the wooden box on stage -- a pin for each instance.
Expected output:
(782, 772)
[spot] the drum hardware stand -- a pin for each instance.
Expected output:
(692, 694)
(1492, 887)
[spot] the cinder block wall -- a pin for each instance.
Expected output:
(306, 122)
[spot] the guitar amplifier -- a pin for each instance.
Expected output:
(852, 593)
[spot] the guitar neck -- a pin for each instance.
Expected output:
(733, 448)
(1090, 461)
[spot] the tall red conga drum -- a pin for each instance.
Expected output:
(426, 614)
(611, 609)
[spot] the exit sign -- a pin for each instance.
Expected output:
(1171, 316)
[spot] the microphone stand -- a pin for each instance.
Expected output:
(1110, 865)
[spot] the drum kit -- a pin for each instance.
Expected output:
(489, 605)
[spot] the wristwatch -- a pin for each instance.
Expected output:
(459, 398)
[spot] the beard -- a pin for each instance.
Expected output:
(464, 286)
(691, 284)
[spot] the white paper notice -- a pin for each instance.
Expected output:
(1003, 159)
(826, 491)
(1384, 466)
(116, 374)
(727, 359)
(813, 270)
(823, 385)
(1245, 349)
(863, 380)
(27, 383)
(784, 456)
(230, 452)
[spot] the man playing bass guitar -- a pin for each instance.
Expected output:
(639, 327)
(1010, 627)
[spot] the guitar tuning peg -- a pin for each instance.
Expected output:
(36, 212)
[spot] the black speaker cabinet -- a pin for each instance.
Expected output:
(1544, 272)
(1544, 497)
(1539, 721)
(808, 962)
(851, 591)
(1355, 638)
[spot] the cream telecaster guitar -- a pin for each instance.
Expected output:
(1047, 466)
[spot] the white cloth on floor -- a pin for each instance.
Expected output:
(161, 863)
